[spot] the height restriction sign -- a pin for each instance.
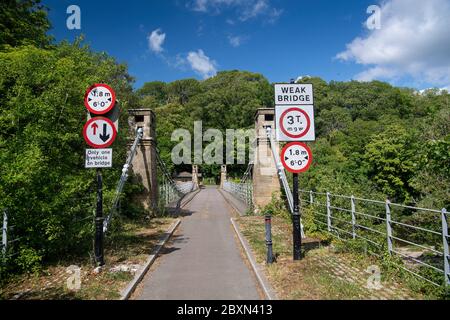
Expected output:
(296, 157)
(99, 132)
(99, 98)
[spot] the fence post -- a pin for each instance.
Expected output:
(388, 226)
(5, 232)
(311, 199)
(353, 217)
(446, 246)
(328, 212)
(167, 192)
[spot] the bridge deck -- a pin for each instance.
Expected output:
(203, 261)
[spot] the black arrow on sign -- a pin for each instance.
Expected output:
(104, 136)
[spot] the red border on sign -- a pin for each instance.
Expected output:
(310, 157)
(98, 146)
(86, 104)
(308, 125)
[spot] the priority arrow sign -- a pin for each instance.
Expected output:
(99, 132)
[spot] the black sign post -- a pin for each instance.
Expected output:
(98, 242)
(297, 234)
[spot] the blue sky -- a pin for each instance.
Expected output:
(279, 38)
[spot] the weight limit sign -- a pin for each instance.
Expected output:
(295, 123)
(296, 157)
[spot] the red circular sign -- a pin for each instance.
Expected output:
(99, 98)
(305, 128)
(296, 157)
(99, 132)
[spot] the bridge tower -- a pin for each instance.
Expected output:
(144, 164)
(223, 175)
(265, 177)
(195, 180)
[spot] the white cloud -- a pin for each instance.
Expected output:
(156, 40)
(245, 9)
(255, 9)
(413, 41)
(201, 63)
(302, 77)
(236, 41)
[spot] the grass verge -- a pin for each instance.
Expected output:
(125, 251)
(324, 273)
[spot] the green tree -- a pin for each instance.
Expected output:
(43, 182)
(391, 158)
(23, 22)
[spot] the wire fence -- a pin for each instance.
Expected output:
(418, 237)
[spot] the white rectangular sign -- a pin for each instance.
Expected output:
(295, 123)
(293, 94)
(98, 158)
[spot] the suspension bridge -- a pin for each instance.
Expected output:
(205, 260)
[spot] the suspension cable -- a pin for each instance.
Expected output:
(123, 178)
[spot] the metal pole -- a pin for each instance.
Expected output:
(297, 235)
(98, 245)
(388, 226)
(353, 218)
(446, 246)
(329, 224)
(311, 198)
(269, 238)
(5, 232)
(281, 174)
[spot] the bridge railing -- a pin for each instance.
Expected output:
(242, 190)
(169, 190)
(185, 187)
(417, 237)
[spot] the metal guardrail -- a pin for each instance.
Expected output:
(8, 241)
(5, 232)
(424, 249)
(243, 191)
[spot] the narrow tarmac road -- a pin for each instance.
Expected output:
(203, 261)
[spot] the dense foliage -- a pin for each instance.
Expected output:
(43, 182)
(373, 139)
(23, 22)
(227, 101)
